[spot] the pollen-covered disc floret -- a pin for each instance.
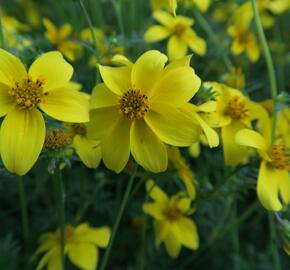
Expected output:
(179, 29)
(280, 156)
(79, 129)
(237, 108)
(172, 212)
(28, 93)
(133, 104)
(57, 139)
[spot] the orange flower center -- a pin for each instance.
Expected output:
(28, 94)
(68, 233)
(133, 104)
(179, 29)
(56, 139)
(173, 213)
(237, 108)
(79, 129)
(280, 157)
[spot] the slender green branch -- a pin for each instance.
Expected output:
(61, 213)
(207, 28)
(118, 219)
(2, 45)
(118, 11)
(24, 212)
(269, 62)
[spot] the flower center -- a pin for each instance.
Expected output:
(173, 213)
(56, 139)
(28, 94)
(133, 104)
(68, 233)
(79, 129)
(179, 29)
(237, 108)
(280, 157)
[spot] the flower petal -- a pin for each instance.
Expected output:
(268, 187)
(156, 33)
(89, 151)
(195, 43)
(12, 69)
(284, 185)
(172, 245)
(162, 229)
(66, 105)
(52, 69)
(21, 140)
(176, 87)
(83, 255)
(172, 126)
(102, 97)
(178, 63)
(147, 149)
(7, 102)
(176, 48)
(147, 70)
(117, 79)
(116, 145)
(164, 18)
(155, 192)
(154, 210)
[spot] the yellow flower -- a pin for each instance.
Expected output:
(171, 222)
(88, 150)
(236, 78)
(244, 40)
(233, 112)
(273, 185)
(81, 246)
(178, 30)
(170, 5)
(183, 170)
(202, 5)
(22, 93)
(60, 38)
(136, 110)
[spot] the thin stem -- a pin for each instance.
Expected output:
(118, 219)
(61, 213)
(2, 45)
(118, 10)
(269, 62)
(143, 240)
(207, 28)
(273, 237)
(235, 234)
(24, 212)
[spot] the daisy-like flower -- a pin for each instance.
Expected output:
(81, 246)
(22, 94)
(171, 222)
(234, 112)
(273, 185)
(136, 110)
(60, 39)
(178, 30)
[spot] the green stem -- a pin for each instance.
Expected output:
(61, 213)
(2, 43)
(24, 212)
(143, 240)
(273, 236)
(269, 62)
(235, 234)
(118, 219)
(118, 11)
(207, 28)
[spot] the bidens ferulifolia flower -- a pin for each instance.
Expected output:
(171, 222)
(81, 246)
(178, 30)
(136, 110)
(22, 93)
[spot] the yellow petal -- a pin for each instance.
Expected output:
(156, 33)
(178, 63)
(234, 153)
(7, 102)
(195, 43)
(188, 233)
(54, 262)
(147, 70)
(89, 151)
(284, 185)
(102, 97)
(194, 150)
(237, 47)
(162, 229)
(253, 50)
(21, 140)
(176, 48)
(116, 145)
(155, 192)
(117, 79)
(147, 149)
(11, 69)
(209, 106)
(164, 18)
(154, 210)
(52, 69)
(172, 245)
(176, 87)
(83, 255)
(66, 105)
(121, 60)
(172, 126)
(101, 120)
(268, 187)
(65, 31)
(52, 32)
